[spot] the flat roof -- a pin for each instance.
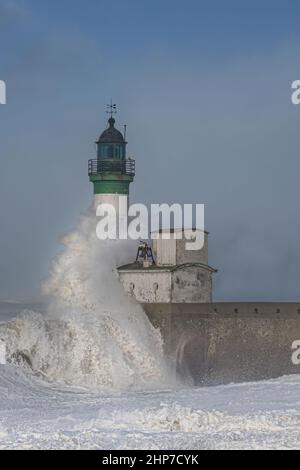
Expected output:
(138, 267)
(172, 230)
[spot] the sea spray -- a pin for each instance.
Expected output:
(93, 335)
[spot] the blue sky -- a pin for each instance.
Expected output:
(204, 87)
(212, 28)
(191, 31)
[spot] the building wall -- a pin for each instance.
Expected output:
(172, 252)
(228, 342)
(191, 256)
(184, 284)
(148, 286)
(191, 284)
(165, 252)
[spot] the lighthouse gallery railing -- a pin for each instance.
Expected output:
(123, 167)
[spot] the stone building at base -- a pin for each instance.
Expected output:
(178, 275)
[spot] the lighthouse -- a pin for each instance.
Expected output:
(176, 275)
(111, 172)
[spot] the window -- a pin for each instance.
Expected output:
(119, 151)
(111, 151)
(105, 151)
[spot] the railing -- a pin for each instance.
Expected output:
(123, 167)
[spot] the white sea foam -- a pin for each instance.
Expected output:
(40, 415)
(93, 335)
(2, 352)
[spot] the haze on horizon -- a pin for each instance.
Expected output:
(204, 88)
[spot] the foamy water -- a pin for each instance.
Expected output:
(91, 374)
(35, 414)
(93, 335)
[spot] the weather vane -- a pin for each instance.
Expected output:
(111, 109)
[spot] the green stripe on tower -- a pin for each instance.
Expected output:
(111, 183)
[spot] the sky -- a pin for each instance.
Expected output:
(205, 90)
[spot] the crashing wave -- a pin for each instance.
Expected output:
(92, 335)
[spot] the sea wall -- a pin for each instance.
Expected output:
(229, 342)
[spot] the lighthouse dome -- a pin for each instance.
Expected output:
(111, 134)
